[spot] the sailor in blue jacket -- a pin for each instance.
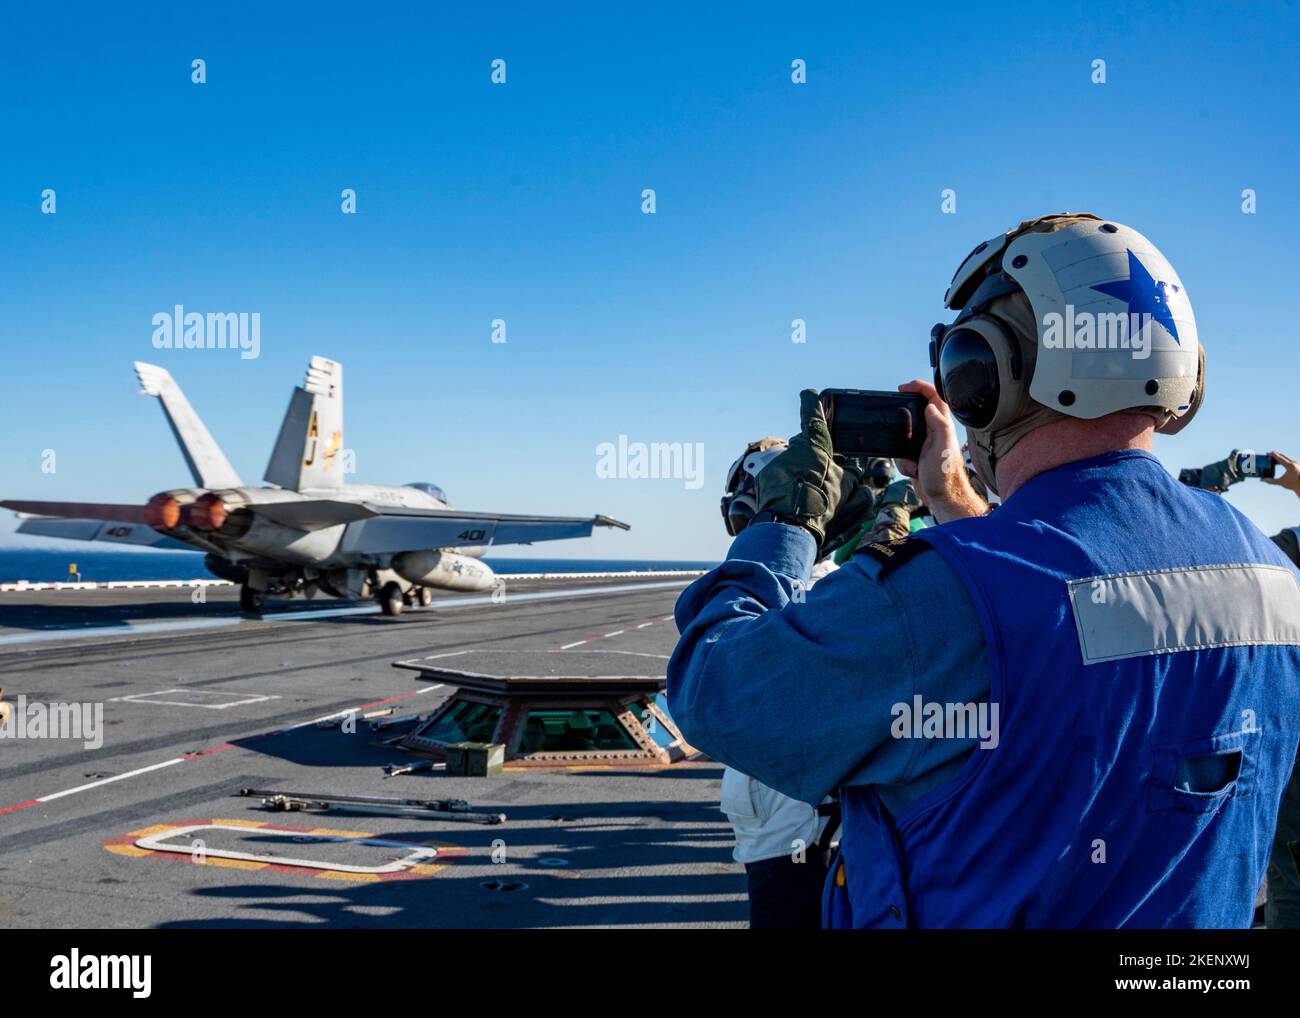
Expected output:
(1080, 709)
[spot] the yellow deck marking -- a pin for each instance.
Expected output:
(359, 878)
(130, 850)
(330, 831)
(145, 832)
(156, 830)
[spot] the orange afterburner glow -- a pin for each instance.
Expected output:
(209, 512)
(162, 512)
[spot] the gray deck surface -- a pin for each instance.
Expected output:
(205, 704)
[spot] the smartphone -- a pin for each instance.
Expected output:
(1251, 464)
(866, 423)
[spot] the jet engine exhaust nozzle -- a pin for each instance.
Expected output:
(209, 512)
(163, 512)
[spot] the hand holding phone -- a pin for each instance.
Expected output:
(1251, 464)
(1290, 476)
(866, 423)
(940, 470)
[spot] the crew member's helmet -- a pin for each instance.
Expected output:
(1065, 316)
(739, 498)
(878, 474)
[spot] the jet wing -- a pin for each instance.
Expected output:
(313, 514)
(99, 530)
(79, 510)
(396, 530)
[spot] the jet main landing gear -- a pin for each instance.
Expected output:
(390, 599)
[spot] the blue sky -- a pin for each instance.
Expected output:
(522, 202)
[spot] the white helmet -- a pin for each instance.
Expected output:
(1114, 330)
(738, 500)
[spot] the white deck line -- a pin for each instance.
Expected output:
(145, 628)
(108, 781)
(20, 586)
(196, 756)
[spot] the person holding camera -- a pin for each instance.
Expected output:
(1064, 713)
(1220, 475)
(778, 839)
(1282, 909)
(1288, 539)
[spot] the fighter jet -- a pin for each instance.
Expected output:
(307, 531)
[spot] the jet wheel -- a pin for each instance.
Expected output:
(390, 599)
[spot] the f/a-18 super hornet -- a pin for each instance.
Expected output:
(307, 530)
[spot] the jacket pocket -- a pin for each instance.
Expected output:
(1200, 775)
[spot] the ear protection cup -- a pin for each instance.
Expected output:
(739, 502)
(979, 371)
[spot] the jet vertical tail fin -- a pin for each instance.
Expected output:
(309, 451)
(207, 463)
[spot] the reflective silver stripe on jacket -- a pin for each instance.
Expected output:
(1163, 611)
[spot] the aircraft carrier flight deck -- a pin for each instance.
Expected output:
(201, 701)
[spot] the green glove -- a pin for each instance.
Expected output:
(857, 501)
(1221, 475)
(808, 485)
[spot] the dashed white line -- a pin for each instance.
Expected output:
(145, 628)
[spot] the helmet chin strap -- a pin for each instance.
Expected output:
(981, 458)
(988, 447)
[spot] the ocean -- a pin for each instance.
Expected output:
(104, 566)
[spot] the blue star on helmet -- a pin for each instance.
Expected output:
(1144, 294)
